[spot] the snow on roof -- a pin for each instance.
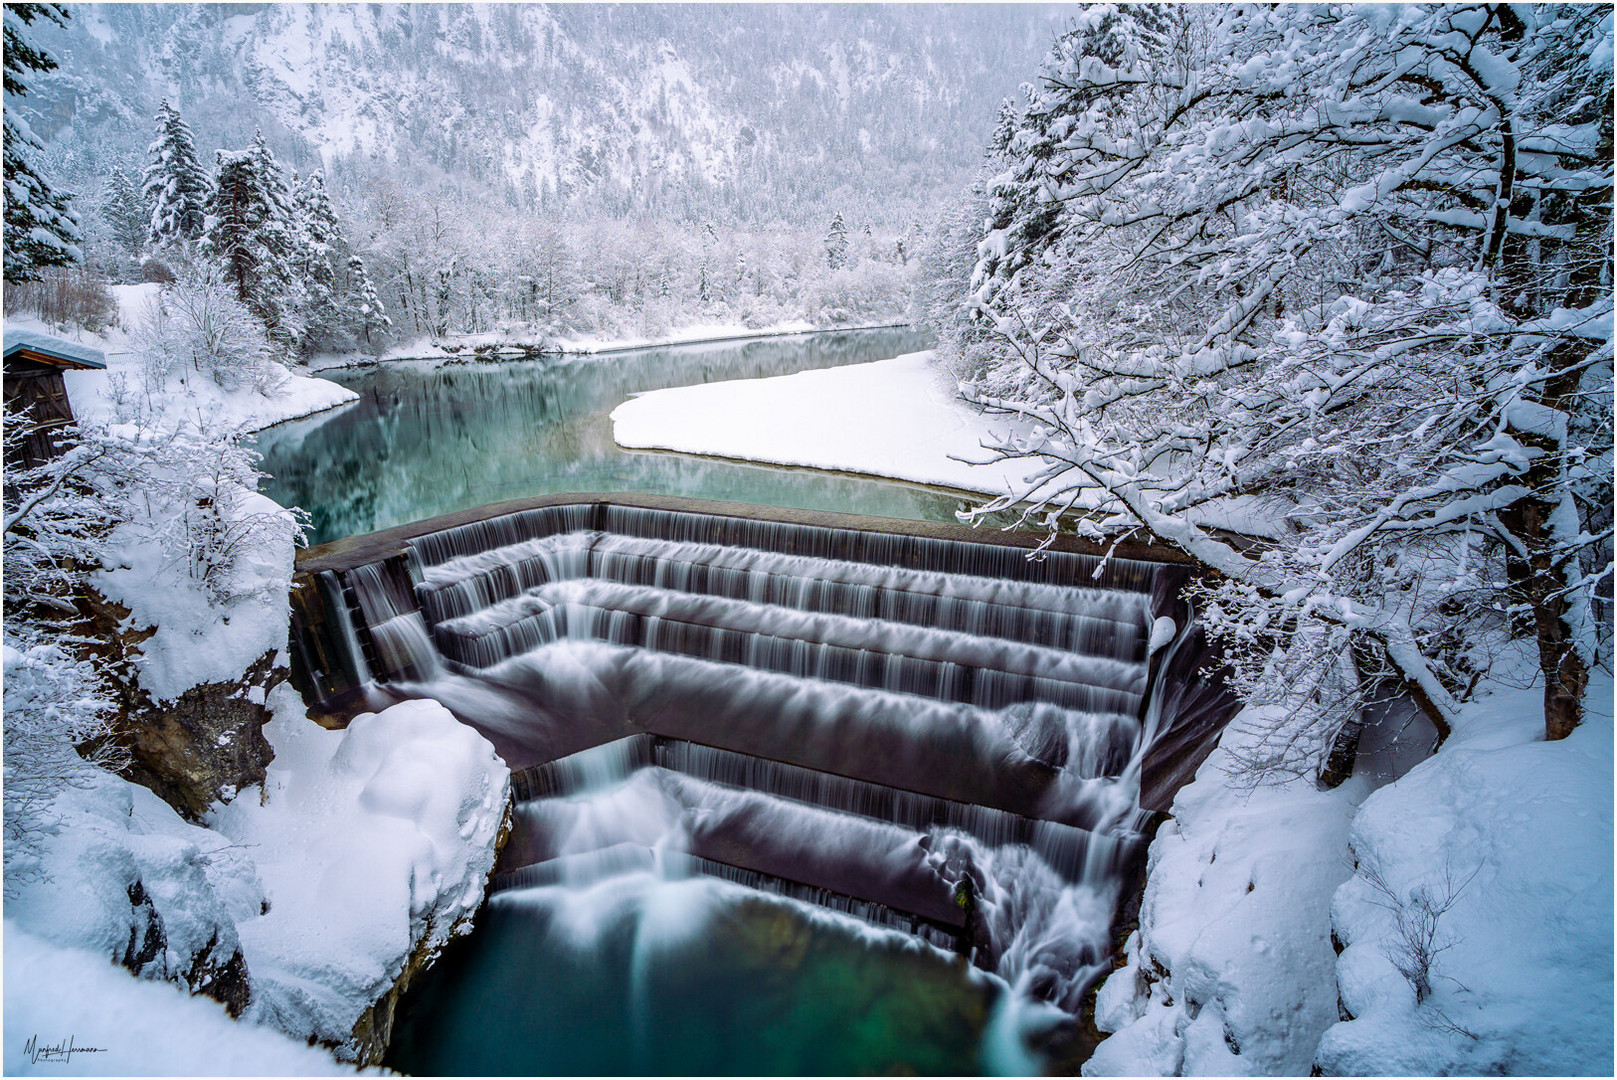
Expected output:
(34, 341)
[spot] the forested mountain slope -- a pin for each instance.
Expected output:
(752, 114)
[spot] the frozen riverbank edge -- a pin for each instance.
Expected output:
(898, 419)
(300, 394)
(505, 346)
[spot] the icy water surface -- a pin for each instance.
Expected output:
(429, 438)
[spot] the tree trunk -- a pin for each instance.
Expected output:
(1545, 589)
(1545, 574)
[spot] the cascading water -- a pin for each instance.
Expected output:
(933, 737)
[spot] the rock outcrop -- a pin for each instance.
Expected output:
(200, 748)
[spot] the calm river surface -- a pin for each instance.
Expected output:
(428, 437)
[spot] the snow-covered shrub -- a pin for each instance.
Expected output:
(169, 501)
(198, 326)
(54, 702)
(213, 519)
(56, 697)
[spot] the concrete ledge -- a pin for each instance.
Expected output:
(359, 550)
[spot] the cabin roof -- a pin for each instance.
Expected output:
(45, 349)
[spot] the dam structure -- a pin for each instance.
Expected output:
(936, 731)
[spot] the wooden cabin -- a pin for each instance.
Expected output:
(34, 366)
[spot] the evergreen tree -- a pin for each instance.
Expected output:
(41, 230)
(175, 185)
(704, 282)
(364, 307)
(836, 244)
(249, 234)
(125, 213)
(317, 241)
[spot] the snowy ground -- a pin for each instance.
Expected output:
(702, 332)
(1517, 833)
(373, 842)
(134, 1027)
(299, 395)
(367, 846)
(899, 418)
(1233, 972)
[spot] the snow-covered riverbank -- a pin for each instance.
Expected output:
(366, 849)
(461, 346)
(96, 395)
(1493, 856)
(900, 418)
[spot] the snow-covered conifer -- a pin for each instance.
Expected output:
(249, 234)
(317, 242)
(126, 213)
(41, 229)
(176, 186)
(836, 243)
(365, 313)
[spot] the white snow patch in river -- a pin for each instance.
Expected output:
(899, 418)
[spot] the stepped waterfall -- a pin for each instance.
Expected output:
(939, 738)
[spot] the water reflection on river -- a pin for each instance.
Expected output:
(428, 437)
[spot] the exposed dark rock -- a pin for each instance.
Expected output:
(224, 982)
(223, 978)
(202, 747)
(147, 941)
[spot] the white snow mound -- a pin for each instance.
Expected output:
(1231, 972)
(122, 1026)
(374, 844)
(1512, 837)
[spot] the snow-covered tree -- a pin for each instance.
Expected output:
(41, 229)
(365, 313)
(317, 243)
(56, 697)
(176, 186)
(1341, 274)
(836, 243)
(199, 326)
(125, 212)
(249, 234)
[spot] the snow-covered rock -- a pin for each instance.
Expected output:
(375, 844)
(120, 875)
(69, 1013)
(369, 849)
(1509, 838)
(1232, 970)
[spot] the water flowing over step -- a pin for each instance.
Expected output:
(631, 858)
(1072, 852)
(933, 735)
